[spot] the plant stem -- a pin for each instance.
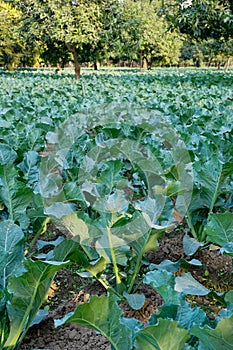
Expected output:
(114, 261)
(37, 235)
(136, 270)
(104, 284)
(138, 264)
(190, 224)
(215, 193)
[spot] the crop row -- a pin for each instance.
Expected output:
(119, 158)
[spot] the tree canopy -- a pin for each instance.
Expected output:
(10, 45)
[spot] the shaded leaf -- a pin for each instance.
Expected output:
(11, 251)
(14, 195)
(219, 228)
(29, 166)
(7, 154)
(27, 292)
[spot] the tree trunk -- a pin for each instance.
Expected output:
(77, 67)
(227, 65)
(148, 63)
(141, 61)
(96, 65)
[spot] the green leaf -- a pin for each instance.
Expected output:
(188, 285)
(72, 192)
(166, 335)
(77, 227)
(11, 251)
(26, 294)
(103, 315)
(133, 324)
(97, 267)
(219, 228)
(30, 168)
(14, 195)
(7, 154)
(215, 339)
(134, 233)
(210, 189)
(229, 300)
(163, 282)
(152, 208)
(227, 249)
(190, 245)
(70, 250)
(184, 314)
(167, 265)
(59, 210)
(110, 176)
(135, 301)
(187, 316)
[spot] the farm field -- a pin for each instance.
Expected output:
(119, 185)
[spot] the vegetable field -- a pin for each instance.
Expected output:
(117, 161)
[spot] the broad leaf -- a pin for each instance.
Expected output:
(103, 315)
(7, 154)
(210, 189)
(11, 251)
(215, 339)
(188, 285)
(187, 316)
(184, 314)
(29, 166)
(229, 300)
(163, 282)
(135, 301)
(227, 249)
(191, 245)
(84, 230)
(26, 294)
(59, 210)
(135, 233)
(166, 335)
(219, 228)
(152, 207)
(72, 251)
(133, 324)
(14, 195)
(167, 265)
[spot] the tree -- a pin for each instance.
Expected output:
(201, 19)
(149, 34)
(55, 54)
(66, 22)
(207, 21)
(10, 45)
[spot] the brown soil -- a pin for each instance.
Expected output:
(69, 290)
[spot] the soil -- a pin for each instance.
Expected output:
(68, 290)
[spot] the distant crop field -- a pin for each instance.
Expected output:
(119, 158)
